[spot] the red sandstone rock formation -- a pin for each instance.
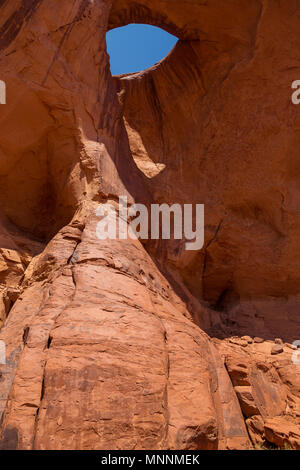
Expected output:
(122, 345)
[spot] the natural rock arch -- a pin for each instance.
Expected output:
(102, 337)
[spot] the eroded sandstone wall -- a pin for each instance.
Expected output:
(217, 115)
(105, 341)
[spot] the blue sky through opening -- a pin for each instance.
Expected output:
(137, 47)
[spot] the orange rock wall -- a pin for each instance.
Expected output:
(124, 345)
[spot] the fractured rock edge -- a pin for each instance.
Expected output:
(101, 351)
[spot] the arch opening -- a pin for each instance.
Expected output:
(137, 47)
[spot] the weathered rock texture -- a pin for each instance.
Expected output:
(116, 344)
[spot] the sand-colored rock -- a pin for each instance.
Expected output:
(277, 349)
(247, 402)
(215, 114)
(282, 433)
(255, 426)
(267, 387)
(112, 358)
(109, 342)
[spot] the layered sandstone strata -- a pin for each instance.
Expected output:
(116, 344)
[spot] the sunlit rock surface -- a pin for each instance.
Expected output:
(124, 345)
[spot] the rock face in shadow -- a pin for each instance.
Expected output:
(119, 344)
